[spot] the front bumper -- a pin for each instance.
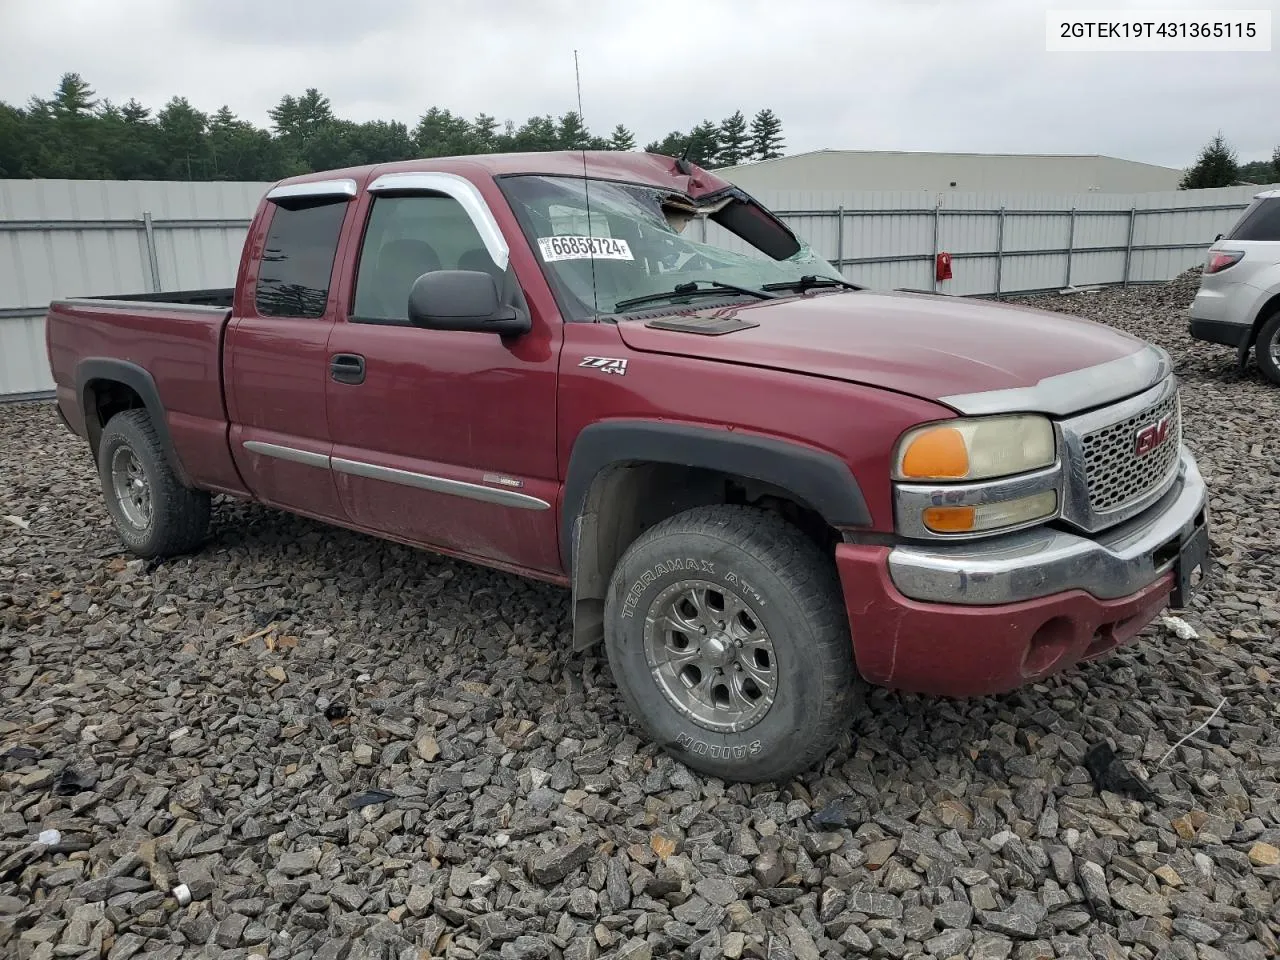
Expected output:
(977, 618)
(1041, 561)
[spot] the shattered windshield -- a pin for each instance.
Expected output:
(639, 243)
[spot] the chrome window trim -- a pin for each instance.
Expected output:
(292, 454)
(1067, 393)
(314, 189)
(460, 189)
(911, 500)
(426, 481)
(1075, 507)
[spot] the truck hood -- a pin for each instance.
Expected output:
(934, 347)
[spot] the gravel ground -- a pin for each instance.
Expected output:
(216, 721)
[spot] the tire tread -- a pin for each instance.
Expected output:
(811, 578)
(179, 514)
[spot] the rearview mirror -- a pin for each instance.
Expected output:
(462, 300)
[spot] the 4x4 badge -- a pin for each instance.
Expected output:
(605, 365)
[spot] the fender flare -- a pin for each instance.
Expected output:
(92, 369)
(821, 480)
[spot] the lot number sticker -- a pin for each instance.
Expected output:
(554, 249)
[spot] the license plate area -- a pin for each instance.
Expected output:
(1191, 568)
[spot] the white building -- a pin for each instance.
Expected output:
(938, 172)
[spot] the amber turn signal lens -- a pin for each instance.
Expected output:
(936, 453)
(950, 519)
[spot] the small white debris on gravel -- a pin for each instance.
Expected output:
(544, 825)
(1181, 629)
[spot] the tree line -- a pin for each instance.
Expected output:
(74, 135)
(1219, 166)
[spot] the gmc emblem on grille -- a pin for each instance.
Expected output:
(1149, 438)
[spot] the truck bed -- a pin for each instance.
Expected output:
(168, 349)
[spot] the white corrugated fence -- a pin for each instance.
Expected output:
(66, 238)
(61, 238)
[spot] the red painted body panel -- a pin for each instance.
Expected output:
(856, 423)
(180, 348)
(276, 372)
(960, 651)
(925, 346)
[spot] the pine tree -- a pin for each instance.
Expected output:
(766, 136)
(1275, 165)
(571, 132)
(73, 97)
(440, 133)
(484, 131)
(134, 112)
(735, 145)
(182, 131)
(622, 139)
(1216, 167)
(704, 144)
(672, 145)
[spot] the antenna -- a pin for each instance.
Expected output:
(586, 185)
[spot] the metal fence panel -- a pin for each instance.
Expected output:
(66, 238)
(62, 238)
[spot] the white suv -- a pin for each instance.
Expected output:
(1239, 299)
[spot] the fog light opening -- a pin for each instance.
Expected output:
(1048, 645)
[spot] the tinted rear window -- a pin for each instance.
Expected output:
(1261, 221)
(293, 280)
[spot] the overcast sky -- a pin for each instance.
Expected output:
(946, 75)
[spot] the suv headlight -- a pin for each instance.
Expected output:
(977, 449)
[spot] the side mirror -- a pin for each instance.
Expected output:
(1218, 237)
(462, 300)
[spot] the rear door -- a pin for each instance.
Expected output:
(447, 438)
(276, 363)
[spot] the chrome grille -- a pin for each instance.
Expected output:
(1114, 472)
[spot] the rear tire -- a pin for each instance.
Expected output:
(154, 514)
(727, 636)
(1267, 349)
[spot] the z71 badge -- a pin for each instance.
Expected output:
(605, 365)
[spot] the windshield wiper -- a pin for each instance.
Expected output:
(811, 281)
(691, 289)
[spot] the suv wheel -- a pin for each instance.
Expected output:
(727, 636)
(155, 515)
(1268, 349)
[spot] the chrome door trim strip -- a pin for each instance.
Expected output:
(1069, 393)
(292, 454)
(425, 481)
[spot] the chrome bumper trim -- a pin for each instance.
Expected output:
(1040, 562)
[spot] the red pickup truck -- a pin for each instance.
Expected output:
(619, 373)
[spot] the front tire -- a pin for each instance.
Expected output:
(154, 514)
(1268, 349)
(727, 636)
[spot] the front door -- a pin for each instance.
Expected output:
(276, 360)
(447, 438)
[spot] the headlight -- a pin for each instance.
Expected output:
(976, 449)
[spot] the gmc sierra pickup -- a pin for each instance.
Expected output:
(619, 373)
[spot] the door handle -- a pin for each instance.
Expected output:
(347, 368)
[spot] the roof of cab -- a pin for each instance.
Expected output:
(630, 166)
